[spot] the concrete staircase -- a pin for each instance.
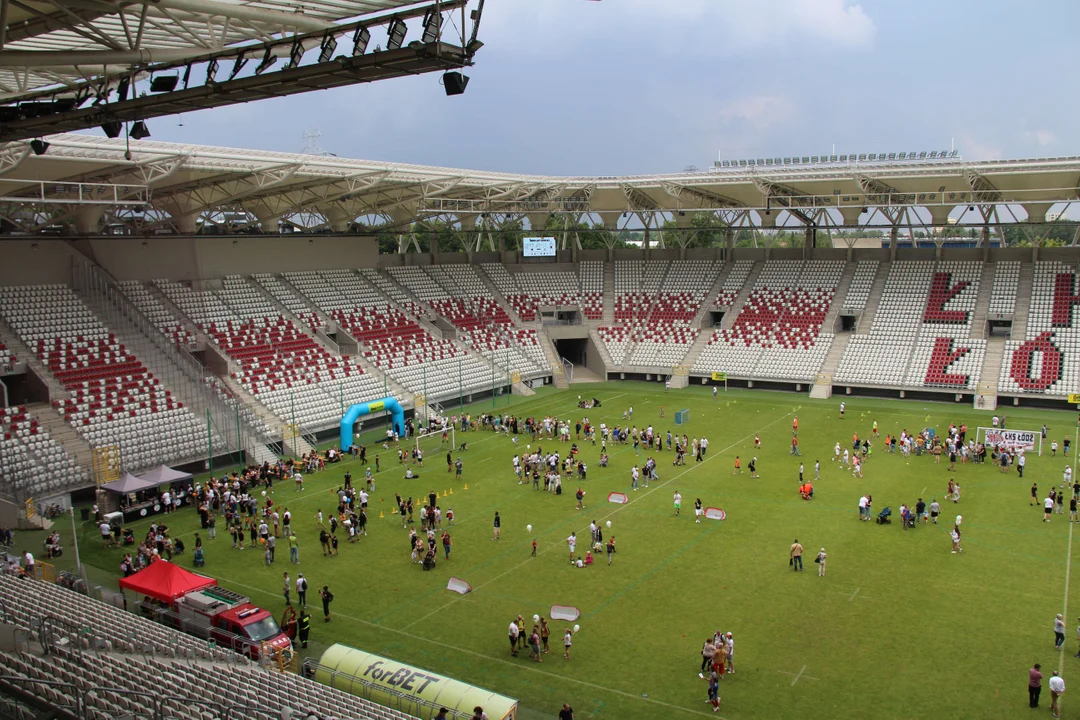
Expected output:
(982, 304)
(692, 355)
(23, 354)
(63, 433)
(1023, 301)
(259, 454)
(986, 397)
(822, 387)
(558, 375)
(829, 325)
(743, 296)
(392, 290)
(872, 302)
(609, 294)
(264, 413)
(501, 300)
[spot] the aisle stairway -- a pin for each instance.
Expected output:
(609, 295)
(742, 297)
(1023, 301)
(872, 302)
(982, 304)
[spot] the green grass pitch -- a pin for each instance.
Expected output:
(899, 628)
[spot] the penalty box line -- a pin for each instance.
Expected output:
(605, 517)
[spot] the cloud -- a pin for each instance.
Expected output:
(759, 109)
(972, 149)
(1042, 138)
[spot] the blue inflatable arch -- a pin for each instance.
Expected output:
(397, 416)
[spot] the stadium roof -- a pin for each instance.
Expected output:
(58, 56)
(168, 181)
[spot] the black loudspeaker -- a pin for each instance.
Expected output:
(112, 128)
(455, 82)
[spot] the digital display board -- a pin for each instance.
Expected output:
(538, 246)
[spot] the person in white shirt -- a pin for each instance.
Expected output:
(1067, 477)
(106, 533)
(729, 641)
(862, 508)
(817, 469)
(572, 543)
(513, 638)
(836, 452)
(1057, 689)
(1048, 507)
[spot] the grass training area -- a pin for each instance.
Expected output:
(899, 627)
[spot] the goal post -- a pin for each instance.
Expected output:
(682, 417)
(432, 442)
(1010, 439)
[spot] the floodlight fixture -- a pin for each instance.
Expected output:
(267, 62)
(112, 128)
(139, 130)
(164, 83)
(361, 38)
(296, 54)
(40, 147)
(329, 45)
(211, 71)
(396, 34)
(432, 26)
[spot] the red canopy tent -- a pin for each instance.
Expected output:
(164, 581)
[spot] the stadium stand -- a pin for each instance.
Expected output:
(1044, 362)
(925, 308)
(1006, 280)
(114, 399)
(277, 289)
(155, 311)
(859, 291)
(529, 289)
(666, 335)
(118, 664)
(617, 342)
(740, 271)
(33, 461)
(592, 289)
(395, 343)
(777, 334)
(283, 367)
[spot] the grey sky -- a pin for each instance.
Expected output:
(642, 86)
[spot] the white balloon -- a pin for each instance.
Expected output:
(264, 493)
(576, 628)
(529, 528)
(609, 523)
(959, 519)
(536, 618)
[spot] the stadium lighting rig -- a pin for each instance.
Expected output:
(146, 82)
(850, 159)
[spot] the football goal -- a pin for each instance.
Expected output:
(682, 417)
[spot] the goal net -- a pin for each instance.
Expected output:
(1010, 439)
(432, 443)
(682, 417)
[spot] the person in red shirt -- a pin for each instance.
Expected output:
(795, 425)
(1035, 677)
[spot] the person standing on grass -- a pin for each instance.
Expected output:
(714, 690)
(545, 634)
(677, 499)
(303, 627)
(738, 466)
(708, 651)
(447, 543)
(1059, 631)
(513, 631)
(327, 598)
(1057, 689)
(567, 641)
(935, 510)
(817, 470)
(1035, 677)
(796, 555)
(1034, 494)
(567, 712)
(753, 467)
(496, 531)
(301, 590)
(843, 407)
(1048, 507)
(800, 473)
(1072, 508)
(698, 512)
(610, 549)
(729, 647)
(287, 589)
(572, 543)
(820, 560)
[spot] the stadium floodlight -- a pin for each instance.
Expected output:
(139, 130)
(112, 128)
(892, 156)
(211, 71)
(267, 62)
(329, 45)
(933, 154)
(360, 40)
(832, 158)
(922, 154)
(164, 83)
(40, 147)
(814, 159)
(432, 25)
(396, 34)
(862, 157)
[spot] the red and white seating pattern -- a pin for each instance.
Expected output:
(6, 358)
(616, 340)
(546, 289)
(592, 289)
(920, 332)
(666, 336)
(395, 343)
(114, 399)
(227, 396)
(32, 460)
(1003, 294)
(661, 345)
(778, 334)
(861, 284)
(283, 367)
(156, 312)
(458, 294)
(733, 283)
(392, 292)
(277, 289)
(1047, 361)
(636, 286)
